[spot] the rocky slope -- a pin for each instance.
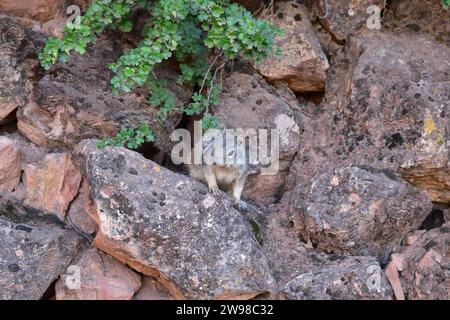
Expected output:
(358, 210)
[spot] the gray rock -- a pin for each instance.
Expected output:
(343, 18)
(387, 106)
(16, 43)
(168, 226)
(302, 65)
(356, 211)
(34, 250)
(340, 278)
(307, 274)
(420, 16)
(101, 277)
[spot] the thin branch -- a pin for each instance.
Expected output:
(209, 70)
(214, 79)
(267, 11)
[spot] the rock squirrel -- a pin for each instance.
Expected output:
(230, 174)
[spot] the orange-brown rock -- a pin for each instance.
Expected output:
(420, 270)
(9, 165)
(152, 290)
(39, 10)
(97, 276)
(81, 209)
(55, 27)
(52, 184)
(303, 64)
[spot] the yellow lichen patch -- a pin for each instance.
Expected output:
(430, 128)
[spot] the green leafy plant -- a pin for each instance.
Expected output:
(210, 121)
(446, 4)
(194, 32)
(131, 138)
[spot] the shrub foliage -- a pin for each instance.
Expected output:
(191, 31)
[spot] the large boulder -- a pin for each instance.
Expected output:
(303, 64)
(387, 106)
(307, 274)
(97, 276)
(74, 101)
(168, 226)
(34, 250)
(356, 211)
(9, 165)
(248, 102)
(16, 44)
(420, 269)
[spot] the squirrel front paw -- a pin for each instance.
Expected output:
(216, 191)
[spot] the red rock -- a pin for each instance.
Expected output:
(152, 290)
(53, 184)
(421, 270)
(55, 27)
(392, 275)
(39, 10)
(9, 165)
(413, 236)
(303, 64)
(101, 278)
(80, 209)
